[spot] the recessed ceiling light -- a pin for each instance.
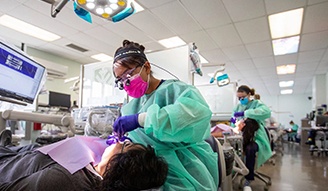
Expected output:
(27, 28)
(172, 42)
(286, 69)
(102, 57)
(285, 45)
(285, 24)
(284, 84)
(287, 91)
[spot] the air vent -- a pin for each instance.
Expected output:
(76, 47)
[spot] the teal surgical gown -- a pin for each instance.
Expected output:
(257, 110)
(177, 122)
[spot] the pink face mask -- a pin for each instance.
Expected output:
(137, 87)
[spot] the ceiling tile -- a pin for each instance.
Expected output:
(264, 62)
(236, 53)
(44, 22)
(311, 56)
(212, 8)
(312, 41)
(127, 30)
(215, 56)
(18, 38)
(152, 46)
(176, 18)
(202, 39)
(281, 5)
(306, 67)
(151, 25)
(8, 5)
(254, 30)
(150, 4)
(235, 8)
(268, 71)
(316, 18)
(310, 2)
(225, 36)
(242, 65)
(286, 59)
(260, 49)
(100, 32)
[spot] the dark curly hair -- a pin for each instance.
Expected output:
(251, 126)
(136, 169)
(130, 61)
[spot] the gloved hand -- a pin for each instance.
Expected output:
(233, 120)
(125, 124)
(239, 114)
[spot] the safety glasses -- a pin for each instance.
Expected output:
(124, 78)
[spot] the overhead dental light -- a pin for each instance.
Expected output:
(113, 10)
(221, 79)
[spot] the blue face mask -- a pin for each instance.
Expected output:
(244, 101)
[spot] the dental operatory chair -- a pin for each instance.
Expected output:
(263, 177)
(228, 162)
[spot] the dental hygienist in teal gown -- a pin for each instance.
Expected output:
(254, 109)
(170, 115)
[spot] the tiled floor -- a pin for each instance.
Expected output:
(296, 170)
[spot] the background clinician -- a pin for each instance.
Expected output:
(170, 115)
(253, 109)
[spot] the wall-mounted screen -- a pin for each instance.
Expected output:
(20, 76)
(59, 99)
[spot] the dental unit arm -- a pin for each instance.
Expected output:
(195, 59)
(58, 120)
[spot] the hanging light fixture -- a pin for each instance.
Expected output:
(113, 10)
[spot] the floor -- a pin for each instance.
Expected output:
(296, 170)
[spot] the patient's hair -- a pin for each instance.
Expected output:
(251, 126)
(136, 169)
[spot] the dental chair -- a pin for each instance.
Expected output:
(228, 162)
(263, 177)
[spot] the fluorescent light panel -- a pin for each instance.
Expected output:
(285, 45)
(172, 42)
(27, 28)
(284, 84)
(286, 23)
(286, 69)
(287, 91)
(102, 57)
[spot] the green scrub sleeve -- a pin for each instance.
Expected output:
(187, 120)
(261, 112)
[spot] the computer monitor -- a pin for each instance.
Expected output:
(57, 99)
(20, 76)
(321, 120)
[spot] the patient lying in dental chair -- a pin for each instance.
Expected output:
(80, 163)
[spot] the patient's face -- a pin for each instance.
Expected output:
(120, 148)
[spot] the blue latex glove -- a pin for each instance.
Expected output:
(125, 124)
(233, 120)
(239, 114)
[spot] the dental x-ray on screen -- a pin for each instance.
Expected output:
(20, 76)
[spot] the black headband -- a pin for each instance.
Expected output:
(125, 52)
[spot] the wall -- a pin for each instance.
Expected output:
(57, 85)
(288, 107)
